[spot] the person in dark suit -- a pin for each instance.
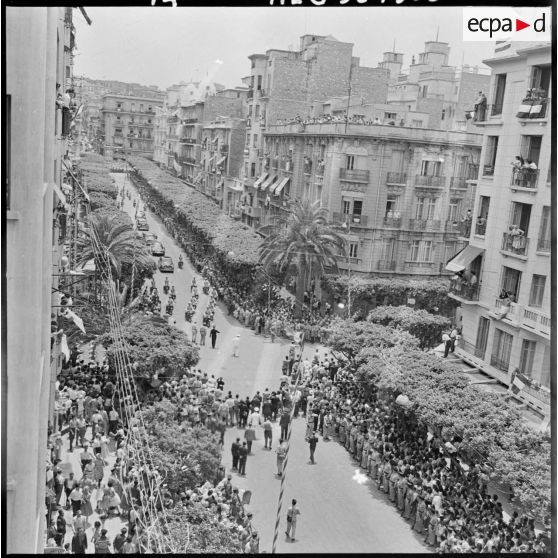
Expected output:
(79, 542)
(213, 334)
(313, 440)
(242, 458)
(235, 454)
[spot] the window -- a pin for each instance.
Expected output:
(8, 148)
(543, 244)
(255, 138)
(424, 90)
(346, 207)
(430, 168)
(353, 250)
(501, 350)
(454, 210)
(499, 91)
(430, 208)
(420, 208)
(511, 281)
(133, 109)
(357, 207)
(350, 162)
(259, 82)
(387, 250)
(531, 148)
(389, 115)
(118, 130)
(528, 349)
(141, 108)
(443, 114)
(118, 105)
(521, 216)
(537, 291)
(490, 155)
(248, 139)
(414, 251)
(482, 337)
(425, 254)
(392, 204)
(416, 123)
(257, 113)
(541, 77)
(253, 170)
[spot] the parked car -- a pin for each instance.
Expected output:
(166, 265)
(143, 225)
(149, 238)
(157, 249)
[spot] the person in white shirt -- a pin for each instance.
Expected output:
(446, 339)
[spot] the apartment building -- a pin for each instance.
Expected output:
(127, 124)
(430, 85)
(506, 315)
(400, 192)
(37, 125)
(286, 83)
(180, 124)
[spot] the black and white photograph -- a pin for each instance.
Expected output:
(279, 278)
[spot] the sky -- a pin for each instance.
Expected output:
(163, 45)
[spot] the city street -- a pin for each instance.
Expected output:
(341, 511)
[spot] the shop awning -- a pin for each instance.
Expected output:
(268, 182)
(278, 186)
(464, 258)
(260, 180)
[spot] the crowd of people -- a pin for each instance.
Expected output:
(340, 118)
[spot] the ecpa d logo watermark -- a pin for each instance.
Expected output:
(507, 24)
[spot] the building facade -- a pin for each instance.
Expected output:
(506, 315)
(284, 83)
(127, 125)
(400, 192)
(38, 127)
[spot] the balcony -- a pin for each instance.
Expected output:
(515, 244)
(349, 260)
(533, 107)
(355, 175)
(488, 170)
(465, 291)
(429, 181)
(480, 228)
(386, 265)
(513, 313)
(351, 218)
(524, 179)
(392, 222)
(396, 179)
(463, 229)
(424, 225)
(190, 121)
(537, 321)
(188, 160)
(458, 183)
(419, 266)
(188, 140)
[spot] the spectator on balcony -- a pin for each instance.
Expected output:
(480, 108)
(376, 121)
(466, 221)
(481, 225)
(506, 305)
(517, 239)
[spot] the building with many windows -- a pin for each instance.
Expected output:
(127, 124)
(506, 311)
(400, 192)
(37, 123)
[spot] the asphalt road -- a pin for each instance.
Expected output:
(341, 511)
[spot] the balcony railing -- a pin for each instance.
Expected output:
(355, 175)
(524, 178)
(536, 320)
(351, 260)
(430, 181)
(189, 140)
(515, 244)
(392, 222)
(480, 229)
(190, 121)
(533, 106)
(457, 227)
(543, 245)
(351, 218)
(465, 291)
(500, 363)
(458, 183)
(488, 170)
(424, 224)
(386, 265)
(398, 178)
(188, 160)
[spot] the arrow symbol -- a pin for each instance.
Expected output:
(519, 25)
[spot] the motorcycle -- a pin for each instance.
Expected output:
(169, 309)
(205, 288)
(166, 287)
(188, 315)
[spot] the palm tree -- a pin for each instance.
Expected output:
(303, 245)
(120, 245)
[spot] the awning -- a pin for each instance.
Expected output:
(464, 258)
(221, 160)
(278, 186)
(260, 180)
(268, 182)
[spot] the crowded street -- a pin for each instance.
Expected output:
(342, 510)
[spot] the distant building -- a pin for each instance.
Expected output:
(127, 125)
(506, 312)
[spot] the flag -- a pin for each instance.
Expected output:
(76, 319)
(64, 347)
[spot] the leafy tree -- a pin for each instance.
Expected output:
(195, 529)
(426, 327)
(154, 347)
(303, 245)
